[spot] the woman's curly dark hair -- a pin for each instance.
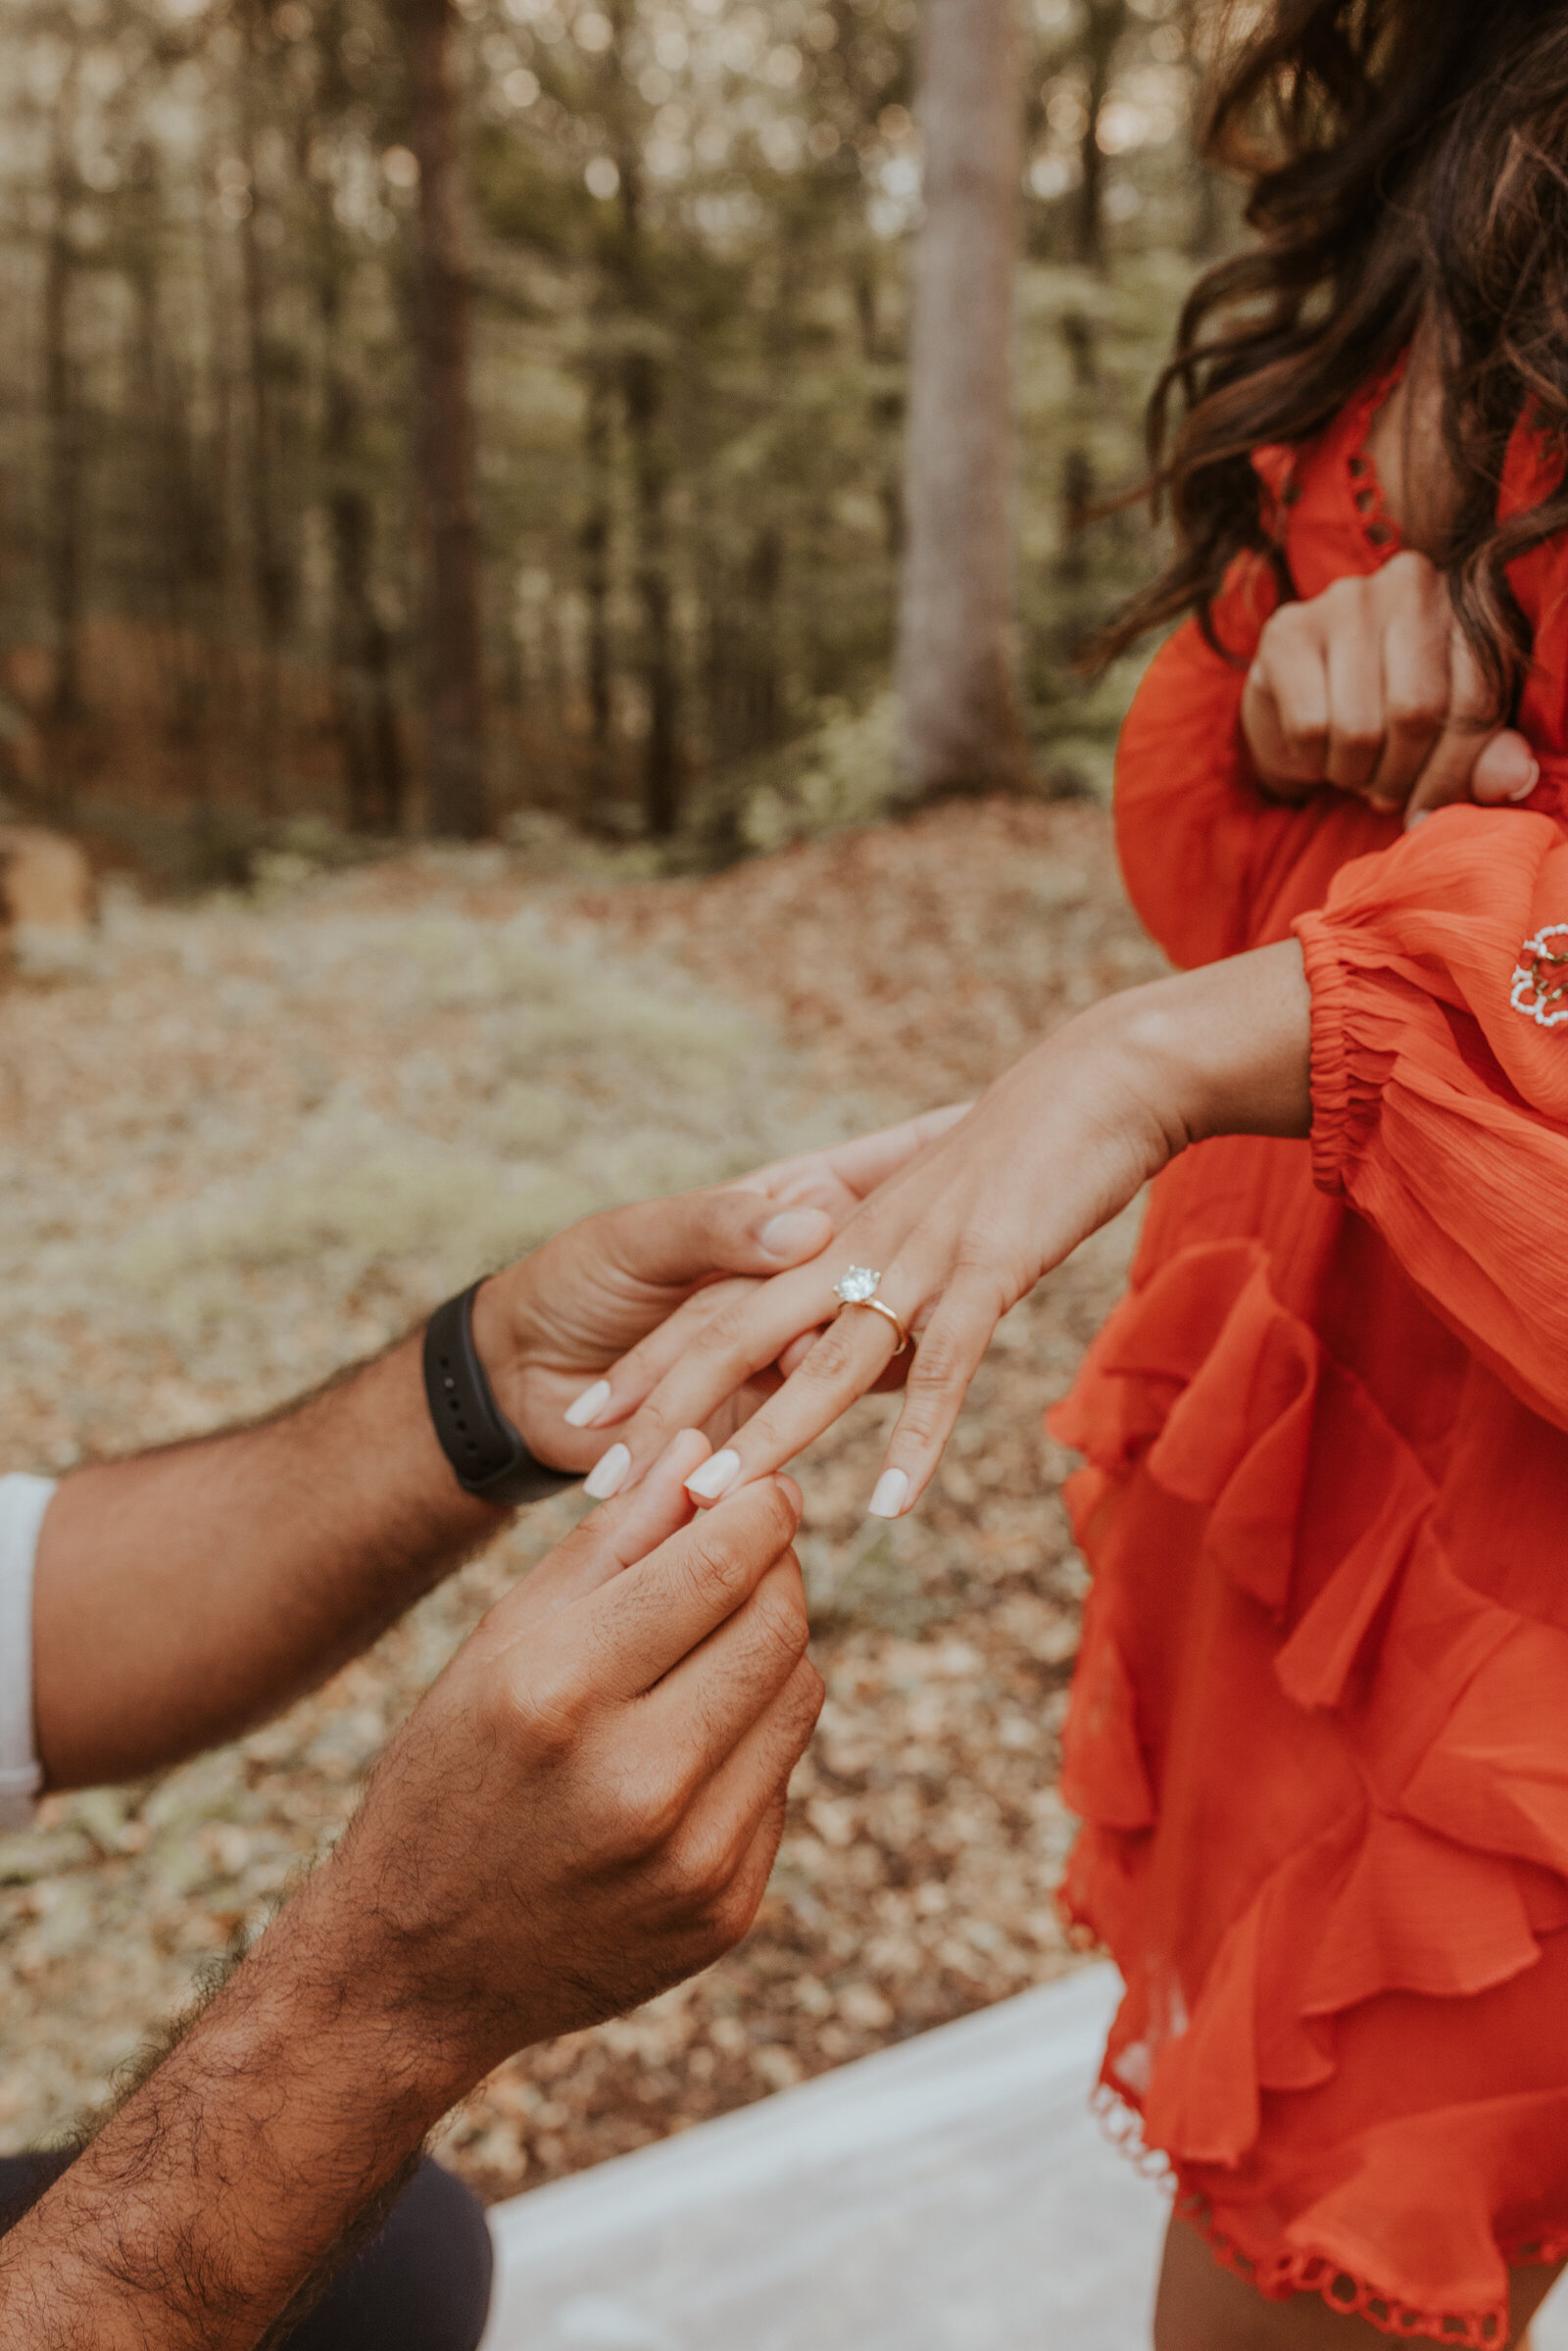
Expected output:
(1405, 158)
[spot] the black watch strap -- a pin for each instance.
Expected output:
(487, 1455)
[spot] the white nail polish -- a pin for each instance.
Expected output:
(586, 1409)
(715, 1477)
(607, 1475)
(891, 1493)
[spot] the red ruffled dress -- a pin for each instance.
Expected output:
(1319, 1731)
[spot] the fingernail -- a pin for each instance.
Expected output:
(891, 1493)
(607, 1475)
(788, 1234)
(585, 1410)
(715, 1477)
(1531, 781)
(1419, 818)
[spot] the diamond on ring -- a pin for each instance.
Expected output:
(856, 1285)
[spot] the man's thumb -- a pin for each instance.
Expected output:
(729, 1230)
(793, 1235)
(749, 1232)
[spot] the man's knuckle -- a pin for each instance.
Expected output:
(648, 1812)
(543, 1707)
(776, 1520)
(704, 1867)
(802, 1701)
(781, 1620)
(709, 1561)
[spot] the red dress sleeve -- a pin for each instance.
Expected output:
(1439, 974)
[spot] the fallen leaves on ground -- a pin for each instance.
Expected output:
(264, 1138)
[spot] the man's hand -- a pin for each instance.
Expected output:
(185, 1595)
(1372, 688)
(583, 1809)
(549, 1328)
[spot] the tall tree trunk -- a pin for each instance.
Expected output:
(887, 407)
(271, 585)
(66, 459)
(364, 708)
(1206, 235)
(445, 453)
(644, 387)
(961, 724)
(1107, 21)
(594, 547)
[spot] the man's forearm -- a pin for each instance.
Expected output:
(222, 2185)
(183, 1594)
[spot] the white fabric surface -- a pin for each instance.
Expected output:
(23, 1503)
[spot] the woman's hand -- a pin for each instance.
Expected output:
(659, 1270)
(1372, 688)
(968, 1227)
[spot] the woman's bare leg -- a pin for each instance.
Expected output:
(1202, 2306)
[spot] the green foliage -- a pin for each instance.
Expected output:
(691, 226)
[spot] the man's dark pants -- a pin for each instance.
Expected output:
(423, 2285)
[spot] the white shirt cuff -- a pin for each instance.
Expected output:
(23, 1503)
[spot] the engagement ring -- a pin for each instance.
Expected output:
(858, 1286)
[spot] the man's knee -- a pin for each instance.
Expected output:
(421, 2284)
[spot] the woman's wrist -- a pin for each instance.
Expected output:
(1225, 1050)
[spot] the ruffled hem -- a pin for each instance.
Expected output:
(1278, 2275)
(1435, 1865)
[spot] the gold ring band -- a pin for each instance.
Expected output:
(877, 1307)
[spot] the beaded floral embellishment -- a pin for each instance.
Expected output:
(1540, 988)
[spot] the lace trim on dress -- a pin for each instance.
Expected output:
(1280, 2275)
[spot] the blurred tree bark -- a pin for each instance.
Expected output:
(594, 545)
(364, 708)
(1107, 23)
(271, 587)
(66, 456)
(452, 644)
(961, 725)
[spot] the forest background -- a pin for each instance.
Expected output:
(449, 419)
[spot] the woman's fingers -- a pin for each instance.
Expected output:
(742, 1339)
(1372, 688)
(1466, 735)
(950, 1351)
(1415, 684)
(841, 1176)
(1285, 703)
(628, 1383)
(1506, 772)
(844, 1365)
(1354, 664)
